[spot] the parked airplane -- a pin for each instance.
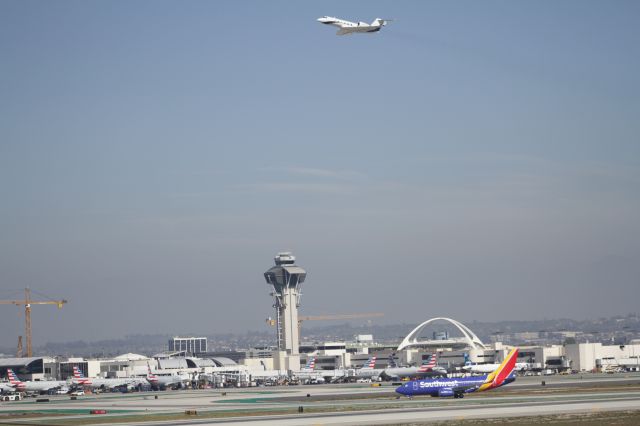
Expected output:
(456, 388)
(33, 386)
(368, 370)
(348, 27)
(81, 380)
(164, 381)
(488, 368)
(309, 374)
(427, 369)
(5, 387)
(311, 364)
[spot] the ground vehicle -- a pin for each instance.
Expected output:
(12, 397)
(77, 393)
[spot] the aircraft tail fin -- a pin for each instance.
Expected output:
(392, 361)
(498, 376)
(150, 376)
(13, 378)
(77, 374)
(311, 363)
(371, 362)
(428, 365)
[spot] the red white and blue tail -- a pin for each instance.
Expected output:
(14, 380)
(428, 366)
(311, 363)
(152, 378)
(78, 377)
(371, 362)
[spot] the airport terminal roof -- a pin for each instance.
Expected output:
(130, 357)
(203, 362)
(172, 363)
(13, 362)
(222, 361)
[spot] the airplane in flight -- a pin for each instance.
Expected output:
(348, 27)
(81, 380)
(33, 386)
(488, 368)
(427, 369)
(457, 387)
(163, 381)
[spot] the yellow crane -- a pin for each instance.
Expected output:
(272, 321)
(27, 302)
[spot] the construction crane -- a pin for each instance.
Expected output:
(27, 302)
(272, 321)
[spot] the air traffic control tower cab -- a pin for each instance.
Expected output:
(286, 280)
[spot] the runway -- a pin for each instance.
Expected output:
(333, 404)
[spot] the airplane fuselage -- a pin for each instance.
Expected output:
(368, 373)
(348, 27)
(39, 385)
(104, 383)
(401, 372)
(488, 368)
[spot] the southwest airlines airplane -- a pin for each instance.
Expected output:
(456, 388)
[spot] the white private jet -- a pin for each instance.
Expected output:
(348, 27)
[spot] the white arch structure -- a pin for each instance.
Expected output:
(469, 339)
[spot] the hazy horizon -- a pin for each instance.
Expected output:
(474, 160)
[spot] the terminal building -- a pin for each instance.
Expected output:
(335, 359)
(188, 345)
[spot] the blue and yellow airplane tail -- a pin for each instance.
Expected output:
(498, 376)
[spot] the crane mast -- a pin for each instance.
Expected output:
(27, 302)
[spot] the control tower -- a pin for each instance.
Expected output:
(286, 280)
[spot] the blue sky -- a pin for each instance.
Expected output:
(478, 160)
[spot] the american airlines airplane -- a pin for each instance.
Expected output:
(348, 27)
(308, 372)
(79, 379)
(33, 386)
(164, 381)
(5, 387)
(427, 369)
(368, 370)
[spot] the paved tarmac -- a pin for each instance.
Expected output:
(346, 403)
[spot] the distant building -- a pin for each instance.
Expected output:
(191, 345)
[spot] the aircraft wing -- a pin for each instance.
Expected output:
(344, 31)
(453, 391)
